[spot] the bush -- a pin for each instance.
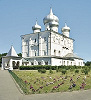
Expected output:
(85, 71)
(36, 67)
(50, 71)
(42, 70)
(53, 67)
(57, 69)
(63, 71)
(76, 71)
(71, 70)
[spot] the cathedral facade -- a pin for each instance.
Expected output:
(49, 47)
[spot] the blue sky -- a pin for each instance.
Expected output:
(18, 16)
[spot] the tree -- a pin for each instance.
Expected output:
(88, 63)
(1, 55)
(76, 71)
(20, 54)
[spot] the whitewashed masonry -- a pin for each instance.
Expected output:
(49, 47)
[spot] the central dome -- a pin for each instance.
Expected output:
(50, 17)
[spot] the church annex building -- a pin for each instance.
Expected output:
(46, 47)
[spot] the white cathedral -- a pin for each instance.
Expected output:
(49, 47)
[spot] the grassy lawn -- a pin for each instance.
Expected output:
(36, 82)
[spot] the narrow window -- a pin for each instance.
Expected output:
(35, 53)
(59, 53)
(44, 38)
(32, 63)
(35, 40)
(46, 63)
(55, 52)
(39, 63)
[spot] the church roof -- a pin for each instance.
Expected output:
(72, 55)
(12, 52)
(24, 60)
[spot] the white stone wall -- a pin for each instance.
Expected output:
(30, 45)
(7, 62)
(36, 44)
(61, 45)
(78, 62)
(58, 62)
(39, 61)
(48, 44)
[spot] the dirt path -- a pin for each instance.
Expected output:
(8, 89)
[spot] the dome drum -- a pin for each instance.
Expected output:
(53, 24)
(65, 30)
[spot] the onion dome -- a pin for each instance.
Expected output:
(53, 23)
(36, 28)
(50, 17)
(65, 28)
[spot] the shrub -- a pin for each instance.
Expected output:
(57, 69)
(60, 69)
(35, 67)
(63, 71)
(53, 67)
(85, 71)
(42, 70)
(76, 71)
(50, 71)
(71, 70)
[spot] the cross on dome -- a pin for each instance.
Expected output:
(36, 22)
(65, 24)
(51, 13)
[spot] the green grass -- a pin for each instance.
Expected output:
(48, 81)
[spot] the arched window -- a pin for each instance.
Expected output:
(67, 63)
(55, 52)
(35, 53)
(59, 53)
(79, 63)
(18, 64)
(32, 63)
(39, 63)
(64, 62)
(71, 63)
(46, 63)
(35, 40)
(14, 64)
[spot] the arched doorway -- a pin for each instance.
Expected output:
(17, 64)
(14, 64)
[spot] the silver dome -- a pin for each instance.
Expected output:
(50, 17)
(36, 26)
